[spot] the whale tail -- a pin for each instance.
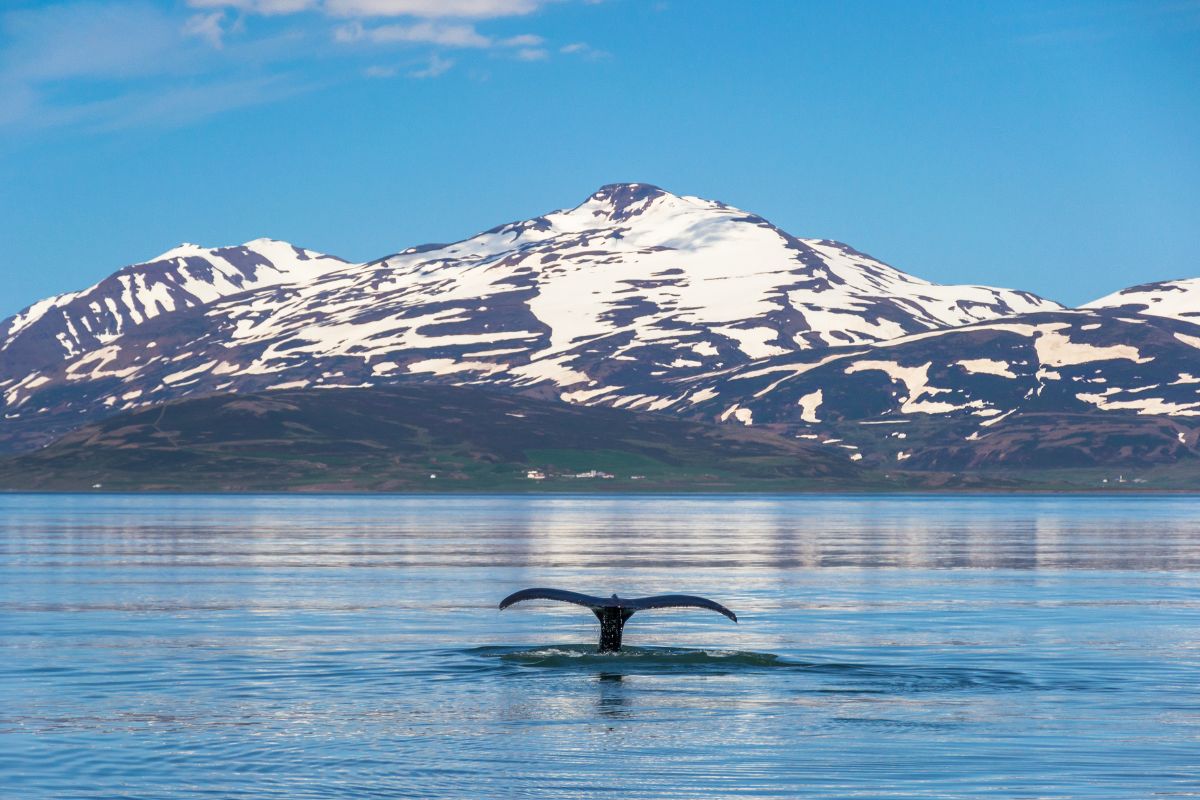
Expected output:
(612, 624)
(613, 612)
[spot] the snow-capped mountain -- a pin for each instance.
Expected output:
(632, 287)
(636, 298)
(185, 277)
(1174, 299)
(637, 263)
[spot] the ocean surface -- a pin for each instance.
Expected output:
(350, 647)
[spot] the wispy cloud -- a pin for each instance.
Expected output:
(183, 105)
(265, 7)
(209, 27)
(443, 34)
(162, 108)
(87, 40)
(582, 50)
(524, 40)
(439, 33)
(17, 103)
(105, 66)
(426, 9)
(436, 66)
(108, 64)
(376, 71)
(1089, 25)
(431, 9)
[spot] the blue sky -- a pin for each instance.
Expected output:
(1049, 146)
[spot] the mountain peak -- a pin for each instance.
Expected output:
(182, 250)
(624, 193)
(621, 201)
(273, 253)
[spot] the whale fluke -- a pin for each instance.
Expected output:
(613, 612)
(553, 594)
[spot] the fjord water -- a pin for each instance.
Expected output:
(314, 647)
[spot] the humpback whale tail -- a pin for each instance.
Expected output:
(613, 612)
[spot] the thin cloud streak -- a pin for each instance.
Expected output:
(163, 107)
(264, 7)
(207, 27)
(425, 9)
(432, 9)
(110, 66)
(179, 106)
(376, 71)
(583, 50)
(437, 66)
(455, 35)
(443, 34)
(87, 40)
(1083, 25)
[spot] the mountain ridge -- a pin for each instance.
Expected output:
(182, 277)
(1174, 299)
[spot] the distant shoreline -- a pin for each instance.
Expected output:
(832, 492)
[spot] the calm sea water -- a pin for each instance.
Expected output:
(331, 647)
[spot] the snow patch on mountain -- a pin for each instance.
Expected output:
(1056, 350)
(987, 366)
(809, 404)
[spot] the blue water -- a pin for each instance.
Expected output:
(186, 647)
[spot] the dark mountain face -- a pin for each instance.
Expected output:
(1038, 441)
(416, 438)
(1108, 387)
(1074, 361)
